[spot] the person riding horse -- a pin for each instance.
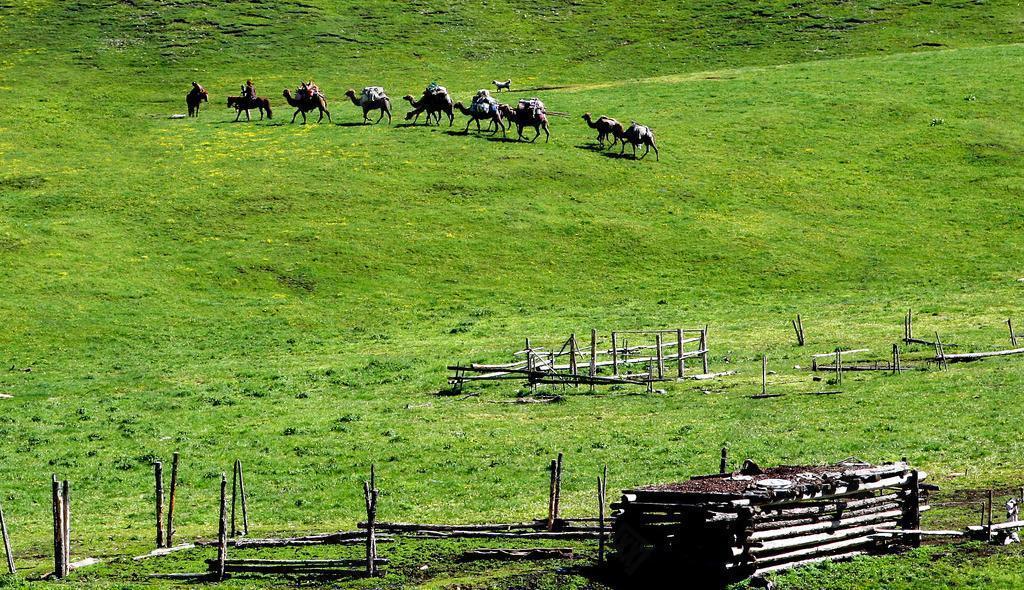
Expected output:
(249, 90)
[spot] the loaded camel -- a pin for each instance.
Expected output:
(433, 104)
(241, 103)
(306, 104)
(606, 127)
(382, 104)
(195, 96)
(524, 116)
(493, 116)
(639, 135)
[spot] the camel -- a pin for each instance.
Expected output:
(639, 135)
(606, 127)
(382, 104)
(240, 103)
(494, 117)
(507, 85)
(433, 104)
(317, 101)
(195, 96)
(525, 117)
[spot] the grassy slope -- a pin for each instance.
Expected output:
(280, 294)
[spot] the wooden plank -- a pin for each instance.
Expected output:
(164, 551)
(524, 553)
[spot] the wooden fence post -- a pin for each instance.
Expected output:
(941, 351)
(234, 498)
(558, 488)
(913, 515)
(65, 502)
(602, 484)
(764, 374)
(371, 493)
(679, 348)
(615, 356)
(222, 528)
(723, 465)
(989, 515)
(58, 529)
(839, 367)
(660, 356)
(7, 542)
(245, 505)
(572, 355)
(593, 352)
(1013, 336)
(158, 473)
(704, 347)
(551, 496)
(170, 503)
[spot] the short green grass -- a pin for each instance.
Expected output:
(291, 295)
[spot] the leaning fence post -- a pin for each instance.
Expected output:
(1013, 336)
(222, 528)
(7, 542)
(158, 472)
(602, 484)
(245, 505)
(234, 498)
(170, 503)
(723, 465)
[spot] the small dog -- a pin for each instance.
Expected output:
(507, 85)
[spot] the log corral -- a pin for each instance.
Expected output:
(721, 528)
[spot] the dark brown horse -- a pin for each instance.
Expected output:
(195, 96)
(240, 103)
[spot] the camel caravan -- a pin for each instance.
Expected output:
(436, 102)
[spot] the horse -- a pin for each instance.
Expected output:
(195, 96)
(241, 103)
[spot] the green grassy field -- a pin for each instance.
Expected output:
(290, 295)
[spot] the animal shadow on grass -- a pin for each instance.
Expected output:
(591, 147)
(623, 156)
(352, 124)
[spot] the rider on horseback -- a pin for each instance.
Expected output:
(248, 90)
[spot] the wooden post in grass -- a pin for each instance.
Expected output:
(572, 355)
(615, 356)
(764, 374)
(909, 326)
(551, 496)
(222, 528)
(704, 347)
(723, 464)
(7, 542)
(58, 529)
(988, 515)
(65, 503)
(245, 505)
(370, 494)
(1013, 336)
(158, 473)
(660, 356)
(602, 483)
(798, 327)
(681, 368)
(941, 351)
(170, 502)
(558, 486)
(913, 515)
(839, 367)
(234, 498)
(593, 352)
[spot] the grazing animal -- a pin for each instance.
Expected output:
(507, 85)
(316, 101)
(639, 135)
(493, 116)
(606, 127)
(382, 104)
(195, 96)
(240, 103)
(433, 104)
(525, 116)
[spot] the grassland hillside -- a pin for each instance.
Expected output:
(290, 295)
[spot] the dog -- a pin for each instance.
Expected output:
(507, 85)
